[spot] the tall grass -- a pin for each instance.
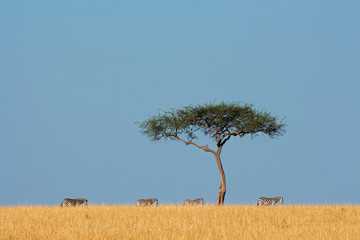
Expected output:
(178, 222)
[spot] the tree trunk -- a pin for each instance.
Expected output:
(222, 188)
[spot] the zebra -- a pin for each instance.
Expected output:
(68, 202)
(195, 202)
(147, 202)
(263, 201)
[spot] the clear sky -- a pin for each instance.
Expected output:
(75, 76)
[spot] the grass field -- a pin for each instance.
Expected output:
(178, 222)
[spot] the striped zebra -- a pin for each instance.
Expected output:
(147, 202)
(68, 202)
(263, 201)
(195, 202)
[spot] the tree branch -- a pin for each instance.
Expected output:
(239, 133)
(223, 141)
(208, 127)
(205, 148)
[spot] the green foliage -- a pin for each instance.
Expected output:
(218, 121)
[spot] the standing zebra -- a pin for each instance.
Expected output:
(68, 202)
(147, 202)
(195, 202)
(263, 201)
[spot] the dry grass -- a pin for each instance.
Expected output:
(178, 222)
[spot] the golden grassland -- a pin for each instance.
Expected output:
(179, 222)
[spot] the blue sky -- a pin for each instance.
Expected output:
(75, 76)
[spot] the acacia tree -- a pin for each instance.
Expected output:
(219, 122)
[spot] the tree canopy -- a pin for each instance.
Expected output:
(219, 122)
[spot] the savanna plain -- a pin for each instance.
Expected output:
(179, 222)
